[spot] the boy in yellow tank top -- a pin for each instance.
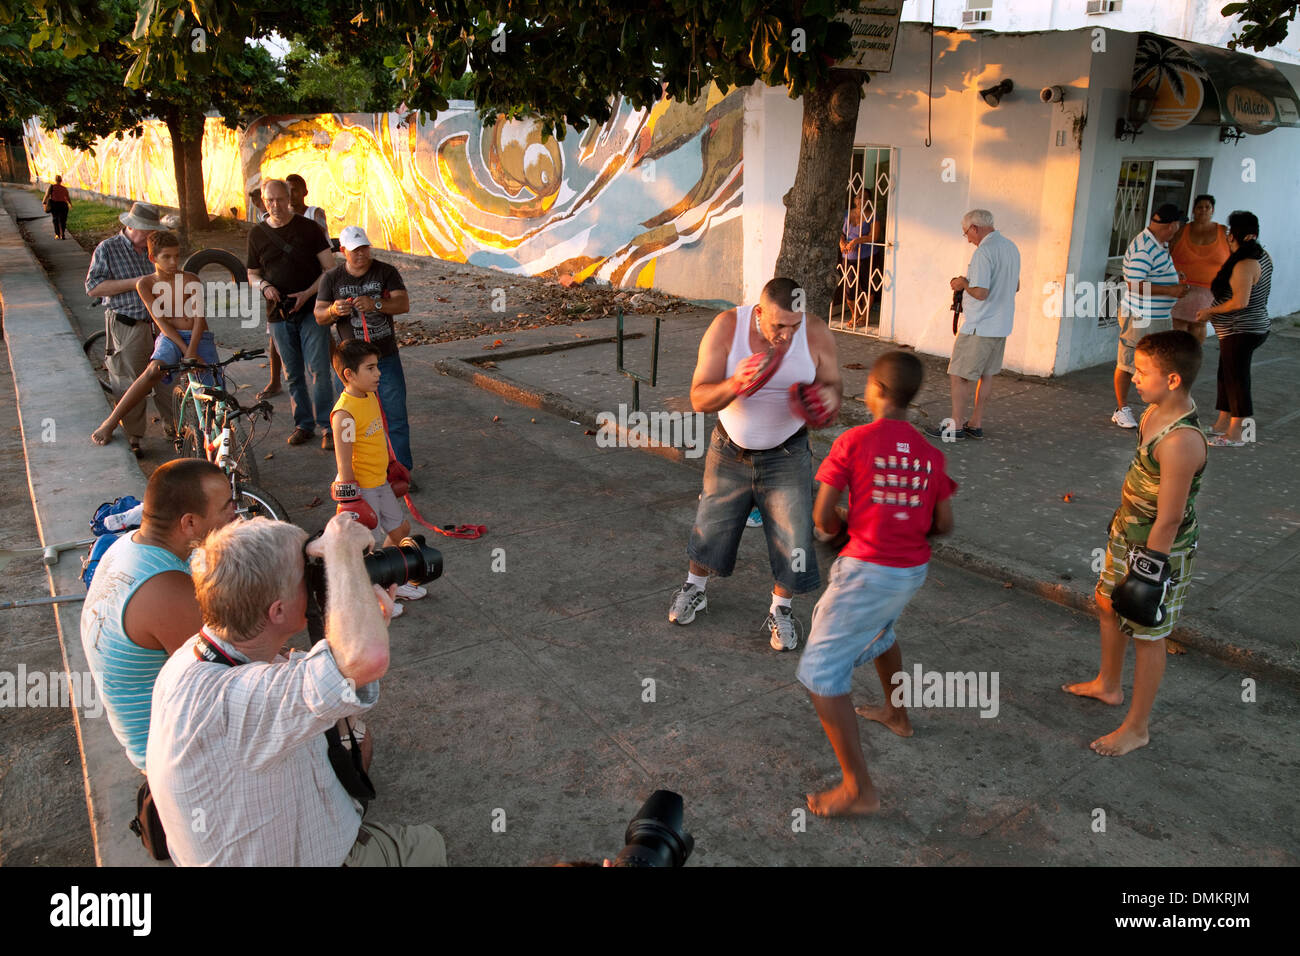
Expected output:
(1153, 537)
(361, 451)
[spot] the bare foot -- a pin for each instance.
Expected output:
(1093, 688)
(268, 392)
(1119, 742)
(892, 717)
(103, 434)
(844, 801)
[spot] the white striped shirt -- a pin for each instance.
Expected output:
(1147, 261)
(237, 760)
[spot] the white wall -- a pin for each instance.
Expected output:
(1196, 20)
(1004, 159)
(1273, 195)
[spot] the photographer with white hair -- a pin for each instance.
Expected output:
(237, 760)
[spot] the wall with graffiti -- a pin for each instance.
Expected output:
(651, 198)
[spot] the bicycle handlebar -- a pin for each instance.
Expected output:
(193, 364)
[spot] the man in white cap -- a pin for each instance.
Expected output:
(360, 298)
(129, 337)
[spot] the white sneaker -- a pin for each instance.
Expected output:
(686, 603)
(755, 519)
(397, 611)
(411, 592)
(1124, 418)
(781, 626)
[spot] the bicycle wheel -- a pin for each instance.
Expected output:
(246, 466)
(94, 348)
(252, 502)
(188, 434)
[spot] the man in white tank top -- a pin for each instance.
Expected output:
(759, 454)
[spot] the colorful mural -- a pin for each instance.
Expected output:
(649, 198)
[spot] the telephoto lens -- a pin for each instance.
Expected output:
(411, 562)
(656, 836)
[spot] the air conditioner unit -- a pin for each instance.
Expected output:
(974, 16)
(1104, 6)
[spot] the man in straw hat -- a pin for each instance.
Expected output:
(114, 267)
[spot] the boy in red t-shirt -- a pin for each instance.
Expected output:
(899, 495)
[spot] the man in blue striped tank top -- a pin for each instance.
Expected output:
(141, 604)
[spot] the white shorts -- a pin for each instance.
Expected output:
(382, 499)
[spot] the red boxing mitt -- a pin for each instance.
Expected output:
(399, 478)
(756, 371)
(806, 403)
(348, 495)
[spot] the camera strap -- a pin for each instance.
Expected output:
(346, 761)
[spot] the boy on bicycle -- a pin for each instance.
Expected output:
(174, 300)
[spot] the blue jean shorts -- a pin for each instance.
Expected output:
(779, 482)
(853, 622)
(169, 353)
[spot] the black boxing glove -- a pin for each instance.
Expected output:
(1140, 597)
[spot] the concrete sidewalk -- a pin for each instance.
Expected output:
(539, 693)
(1046, 439)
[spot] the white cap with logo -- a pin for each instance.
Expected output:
(353, 237)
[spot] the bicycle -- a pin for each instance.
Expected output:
(201, 263)
(212, 425)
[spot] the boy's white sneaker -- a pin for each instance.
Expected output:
(411, 592)
(1123, 417)
(397, 611)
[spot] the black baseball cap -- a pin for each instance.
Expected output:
(1168, 213)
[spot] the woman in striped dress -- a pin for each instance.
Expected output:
(1240, 317)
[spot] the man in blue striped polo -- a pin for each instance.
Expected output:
(1151, 287)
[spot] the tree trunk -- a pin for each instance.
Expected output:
(817, 202)
(172, 118)
(187, 160)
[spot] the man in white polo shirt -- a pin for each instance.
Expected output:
(1151, 287)
(989, 290)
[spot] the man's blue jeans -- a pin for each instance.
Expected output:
(392, 395)
(304, 348)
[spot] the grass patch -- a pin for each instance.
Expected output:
(86, 216)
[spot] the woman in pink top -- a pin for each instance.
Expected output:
(1199, 249)
(57, 202)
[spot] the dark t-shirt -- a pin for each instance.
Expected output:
(338, 283)
(288, 272)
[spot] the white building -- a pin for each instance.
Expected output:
(1059, 180)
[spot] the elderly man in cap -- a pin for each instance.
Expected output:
(1151, 287)
(129, 337)
(360, 298)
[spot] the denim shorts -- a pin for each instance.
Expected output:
(779, 482)
(169, 353)
(853, 623)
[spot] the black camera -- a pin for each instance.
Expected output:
(656, 836)
(412, 562)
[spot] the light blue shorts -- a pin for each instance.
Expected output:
(853, 622)
(169, 353)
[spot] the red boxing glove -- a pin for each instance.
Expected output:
(348, 495)
(399, 478)
(756, 371)
(806, 403)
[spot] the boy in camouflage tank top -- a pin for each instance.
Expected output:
(1156, 519)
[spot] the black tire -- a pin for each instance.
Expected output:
(188, 435)
(94, 348)
(253, 502)
(217, 257)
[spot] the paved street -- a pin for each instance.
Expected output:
(555, 695)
